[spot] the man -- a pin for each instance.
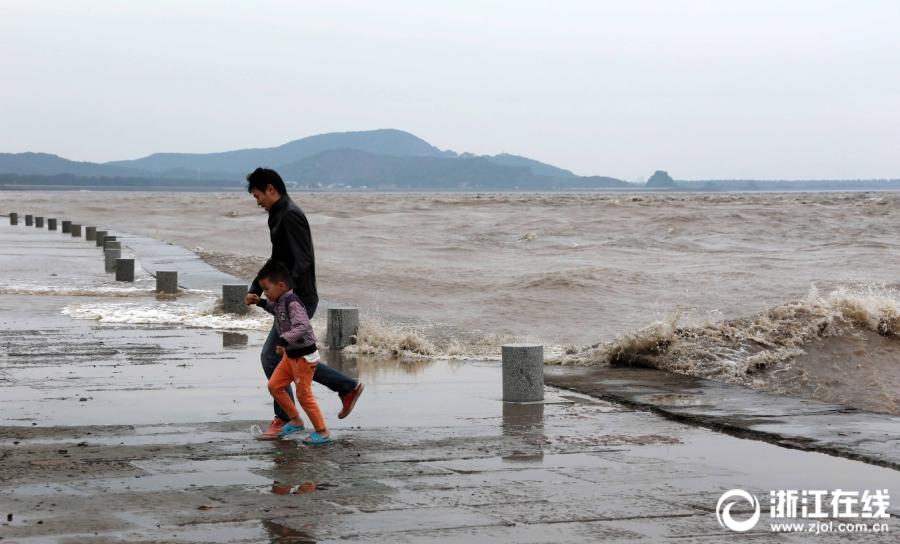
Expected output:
(292, 247)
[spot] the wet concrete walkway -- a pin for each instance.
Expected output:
(193, 272)
(139, 433)
(787, 421)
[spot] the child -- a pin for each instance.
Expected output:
(297, 346)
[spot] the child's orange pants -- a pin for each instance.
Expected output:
(300, 371)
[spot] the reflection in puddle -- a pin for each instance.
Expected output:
(278, 533)
(234, 339)
(525, 424)
(279, 488)
(378, 368)
(675, 399)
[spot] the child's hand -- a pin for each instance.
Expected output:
(251, 299)
(279, 350)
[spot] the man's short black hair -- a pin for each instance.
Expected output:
(274, 272)
(262, 177)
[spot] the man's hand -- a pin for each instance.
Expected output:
(279, 350)
(251, 299)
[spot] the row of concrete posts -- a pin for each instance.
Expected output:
(112, 249)
(523, 364)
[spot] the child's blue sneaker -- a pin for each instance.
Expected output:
(290, 429)
(314, 439)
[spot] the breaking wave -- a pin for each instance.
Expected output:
(378, 336)
(74, 291)
(735, 350)
(204, 315)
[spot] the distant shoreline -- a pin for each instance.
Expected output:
(438, 190)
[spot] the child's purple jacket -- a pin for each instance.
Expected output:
(295, 332)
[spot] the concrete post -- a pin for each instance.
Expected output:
(38, 222)
(107, 238)
(167, 282)
(76, 230)
(66, 227)
(51, 224)
(98, 237)
(90, 233)
(29, 220)
(112, 244)
(124, 269)
(13, 218)
(523, 372)
(343, 325)
(110, 256)
(233, 299)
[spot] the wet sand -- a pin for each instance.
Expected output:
(138, 433)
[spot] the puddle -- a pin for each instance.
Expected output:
(278, 533)
(675, 399)
(158, 439)
(237, 532)
(279, 488)
(234, 339)
(163, 476)
(524, 425)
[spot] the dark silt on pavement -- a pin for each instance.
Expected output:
(112, 433)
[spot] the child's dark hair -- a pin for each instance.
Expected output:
(274, 272)
(261, 177)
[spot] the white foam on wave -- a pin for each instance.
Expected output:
(378, 336)
(77, 291)
(203, 315)
(734, 350)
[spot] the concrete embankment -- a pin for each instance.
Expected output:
(787, 421)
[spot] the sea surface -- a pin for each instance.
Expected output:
(788, 292)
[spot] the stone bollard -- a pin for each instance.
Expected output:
(167, 282)
(51, 224)
(76, 230)
(233, 299)
(13, 218)
(112, 244)
(124, 269)
(343, 325)
(38, 222)
(29, 220)
(90, 233)
(523, 372)
(98, 237)
(110, 256)
(66, 227)
(106, 238)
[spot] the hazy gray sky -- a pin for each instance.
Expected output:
(704, 89)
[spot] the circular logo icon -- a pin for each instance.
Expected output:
(727, 501)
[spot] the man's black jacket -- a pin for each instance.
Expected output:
(292, 246)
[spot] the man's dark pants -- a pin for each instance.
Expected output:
(325, 375)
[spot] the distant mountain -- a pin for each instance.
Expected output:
(354, 167)
(660, 180)
(598, 182)
(68, 181)
(387, 142)
(45, 164)
(538, 168)
(376, 159)
(789, 185)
